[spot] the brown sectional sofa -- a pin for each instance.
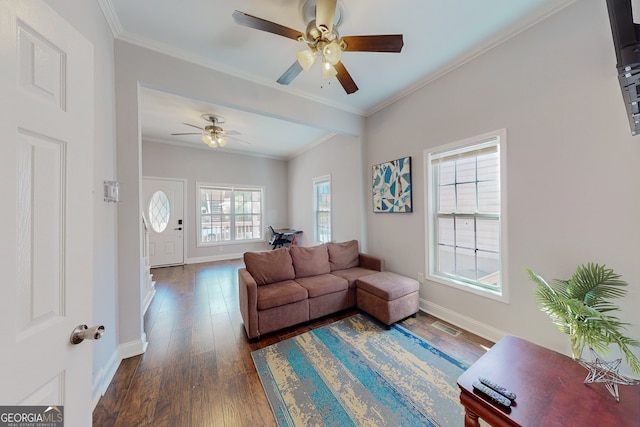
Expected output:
(288, 286)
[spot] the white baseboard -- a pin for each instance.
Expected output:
(149, 297)
(485, 331)
(223, 257)
(102, 380)
(133, 348)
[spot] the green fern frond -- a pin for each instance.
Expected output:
(581, 308)
(593, 283)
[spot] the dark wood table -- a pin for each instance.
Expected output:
(549, 388)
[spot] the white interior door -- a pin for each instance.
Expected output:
(163, 204)
(46, 184)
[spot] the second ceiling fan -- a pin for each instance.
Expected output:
(212, 135)
(322, 39)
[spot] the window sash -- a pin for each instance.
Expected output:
(229, 213)
(471, 258)
(322, 209)
(247, 218)
(465, 214)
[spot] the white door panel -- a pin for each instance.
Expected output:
(46, 184)
(163, 204)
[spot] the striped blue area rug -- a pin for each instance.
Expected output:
(354, 372)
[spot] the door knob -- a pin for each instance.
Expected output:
(83, 332)
(179, 228)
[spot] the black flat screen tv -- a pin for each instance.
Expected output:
(626, 41)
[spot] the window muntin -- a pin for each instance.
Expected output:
(465, 214)
(248, 214)
(229, 213)
(159, 211)
(322, 209)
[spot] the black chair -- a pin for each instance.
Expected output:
(277, 240)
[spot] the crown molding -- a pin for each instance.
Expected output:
(111, 16)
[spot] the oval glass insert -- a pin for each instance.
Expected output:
(159, 211)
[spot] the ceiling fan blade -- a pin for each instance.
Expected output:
(291, 73)
(230, 132)
(193, 126)
(345, 79)
(264, 25)
(325, 13)
(193, 133)
(378, 43)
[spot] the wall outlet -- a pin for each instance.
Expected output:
(420, 277)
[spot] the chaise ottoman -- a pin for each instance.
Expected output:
(387, 296)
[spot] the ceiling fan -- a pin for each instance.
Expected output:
(212, 135)
(322, 39)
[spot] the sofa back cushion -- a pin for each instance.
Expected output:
(269, 267)
(343, 255)
(310, 261)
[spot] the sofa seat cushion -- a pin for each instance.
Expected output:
(322, 284)
(280, 293)
(310, 261)
(353, 274)
(269, 267)
(343, 255)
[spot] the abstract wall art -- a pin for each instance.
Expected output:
(392, 186)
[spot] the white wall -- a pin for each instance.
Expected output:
(217, 167)
(572, 167)
(341, 158)
(87, 18)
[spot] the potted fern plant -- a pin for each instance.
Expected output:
(581, 308)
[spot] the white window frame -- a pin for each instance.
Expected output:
(501, 293)
(233, 189)
(326, 179)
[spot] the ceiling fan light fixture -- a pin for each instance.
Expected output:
(214, 141)
(306, 58)
(328, 70)
(208, 139)
(323, 18)
(332, 52)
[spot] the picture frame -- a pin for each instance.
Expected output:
(391, 186)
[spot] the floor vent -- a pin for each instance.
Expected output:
(445, 328)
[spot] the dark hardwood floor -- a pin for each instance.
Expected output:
(197, 370)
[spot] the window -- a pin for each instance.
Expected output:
(159, 211)
(229, 213)
(322, 208)
(465, 206)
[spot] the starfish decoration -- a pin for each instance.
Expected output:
(603, 371)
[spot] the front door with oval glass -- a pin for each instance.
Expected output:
(163, 206)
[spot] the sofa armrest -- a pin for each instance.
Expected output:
(248, 294)
(371, 262)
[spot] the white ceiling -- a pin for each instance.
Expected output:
(162, 114)
(438, 36)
